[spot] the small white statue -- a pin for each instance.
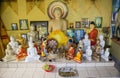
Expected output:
(89, 53)
(13, 44)
(10, 56)
(102, 41)
(105, 56)
(32, 53)
(80, 44)
(86, 42)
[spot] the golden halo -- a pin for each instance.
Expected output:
(57, 4)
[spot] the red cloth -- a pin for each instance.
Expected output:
(93, 36)
(22, 54)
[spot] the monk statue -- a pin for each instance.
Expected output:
(93, 33)
(57, 23)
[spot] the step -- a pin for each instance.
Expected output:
(23, 64)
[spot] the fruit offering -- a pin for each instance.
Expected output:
(48, 68)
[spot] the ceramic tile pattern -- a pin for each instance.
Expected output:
(34, 70)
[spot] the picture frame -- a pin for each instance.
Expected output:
(23, 24)
(98, 22)
(71, 25)
(40, 26)
(85, 22)
(77, 24)
(14, 26)
(24, 35)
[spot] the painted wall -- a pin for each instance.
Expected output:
(12, 11)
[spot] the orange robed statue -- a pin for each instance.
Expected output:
(93, 33)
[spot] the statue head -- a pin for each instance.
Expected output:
(32, 28)
(9, 47)
(31, 44)
(12, 38)
(86, 36)
(101, 37)
(92, 25)
(57, 12)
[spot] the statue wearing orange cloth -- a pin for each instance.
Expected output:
(93, 33)
(21, 53)
(78, 56)
(70, 53)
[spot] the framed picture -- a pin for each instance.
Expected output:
(41, 26)
(71, 25)
(24, 35)
(14, 26)
(23, 24)
(98, 22)
(77, 24)
(85, 22)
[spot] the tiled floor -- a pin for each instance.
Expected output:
(34, 69)
(83, 72)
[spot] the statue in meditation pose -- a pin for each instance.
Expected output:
(78, 56)
(21, 53)
(57, 23)
(10, 56)
(13, 44)
(32, 53)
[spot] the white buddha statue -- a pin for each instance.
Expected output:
(9, 54)
(13, 44)
(105, 56)
(102, 41)
(89, 53)
(32, 33)
(86, 42)
(32, 53)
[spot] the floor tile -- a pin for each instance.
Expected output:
(93, 73)
(39, 73)
(102, 68)
(81, 68)
(7, 74)
(91, 68)
(28, 73)
(12, 64)
(3, 64)
(18, 74)
(104, 73)
(83, 73)
(50, 75)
